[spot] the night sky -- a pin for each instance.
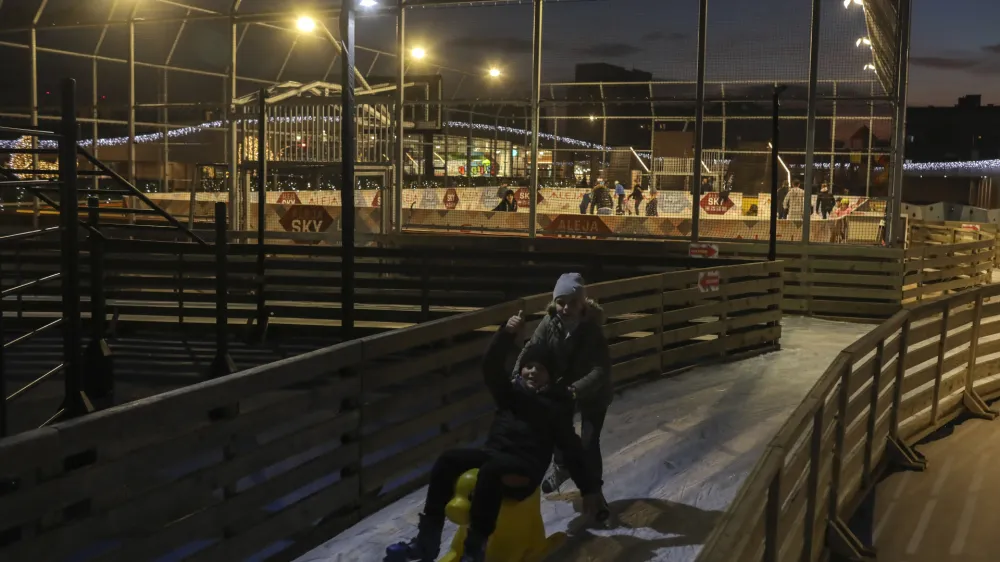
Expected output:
(955, 46)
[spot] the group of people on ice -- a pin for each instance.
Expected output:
(563, 368)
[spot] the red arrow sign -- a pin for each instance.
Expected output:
(306, 218)
(699, 250)
(289, 198)
(713, 204)
(708, 281)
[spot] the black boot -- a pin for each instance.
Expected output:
(475, 547)
(424, 548)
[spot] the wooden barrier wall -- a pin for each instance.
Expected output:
(839, 281)
(853, 282)
(293, 452)
(932, 271)
(903, 380)
(396, 287)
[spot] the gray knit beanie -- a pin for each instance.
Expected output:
(569, 285)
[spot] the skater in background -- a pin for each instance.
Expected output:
(825, 201)
(572, 332)
(620, 198)
(585, 202)
(795, 201)
(636, 197)
(652, 207)
(533, 416)
(600, 200)
(782, 194)
(508, 204)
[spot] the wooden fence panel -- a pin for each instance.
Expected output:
(230, 467)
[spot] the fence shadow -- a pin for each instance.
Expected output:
(637, 529)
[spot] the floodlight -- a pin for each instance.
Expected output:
(418, 53)
(494, 72)
(306, 24)
(863, 41)
(368, 3)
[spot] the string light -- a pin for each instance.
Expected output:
(522, 132)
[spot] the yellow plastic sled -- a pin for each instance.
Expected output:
(520, 531)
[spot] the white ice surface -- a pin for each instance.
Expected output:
(675, 450)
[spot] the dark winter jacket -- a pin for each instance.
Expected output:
(529, 425)
(825, 201)
(583, 359)
(506, 206)
(601, 199)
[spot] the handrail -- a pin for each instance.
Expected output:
(74, 400)
(887, 362)
(29, 234)
(142, 197)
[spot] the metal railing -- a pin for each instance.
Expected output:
(88, 377)
(75, 401)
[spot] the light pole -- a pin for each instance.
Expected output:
(348, 156)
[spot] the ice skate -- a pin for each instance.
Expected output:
(424, 548)
(555, 480)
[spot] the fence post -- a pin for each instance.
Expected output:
(425, 290)
(659, 323)
(839, 452)
(3, 382)
(99, 379)
(261, 331)
(223, 364)
(75, 401)
(873, 413)
(939, 369)
(772, 518)
(812, 484)
(971, 399)
(772, 249)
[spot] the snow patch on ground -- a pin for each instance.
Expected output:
(676, 451)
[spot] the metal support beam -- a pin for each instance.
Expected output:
(131, 93)
(699, 120)
(811, 119)
(234, 211)
(348, 157)
(75, 402)
(397, 196)
(899, 134)
(536, 94)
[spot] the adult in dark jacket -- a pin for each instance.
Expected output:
(782, 194)
(533, 416)
(601, 202)
(573, 332)
(508, 204)
(825, 201)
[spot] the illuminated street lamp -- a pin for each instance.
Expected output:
(367, 3)
(495, 72)
(306, 24)
(418, 53)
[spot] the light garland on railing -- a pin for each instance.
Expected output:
(18, 160)
(523, 132)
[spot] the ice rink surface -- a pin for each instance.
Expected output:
(676, 451)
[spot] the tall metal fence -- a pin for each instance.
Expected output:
(543, 98)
